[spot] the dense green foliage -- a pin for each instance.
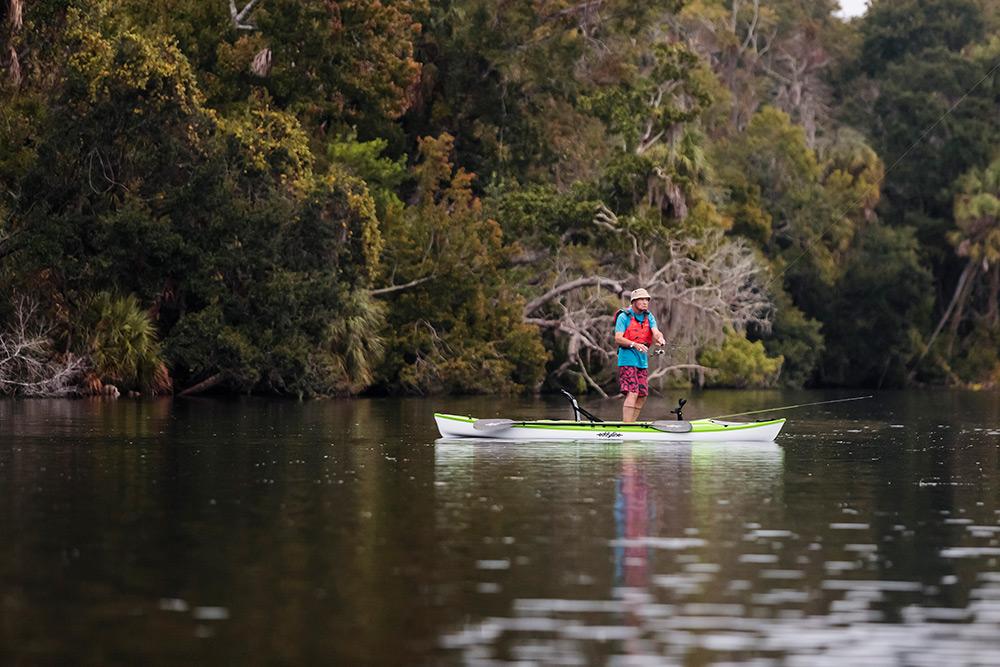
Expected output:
(325, 197)
(740, 363)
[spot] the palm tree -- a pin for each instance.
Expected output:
(122, 344)
(352, 338)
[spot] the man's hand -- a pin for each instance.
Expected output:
(641, 348)
(660, 340)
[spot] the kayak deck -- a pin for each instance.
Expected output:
(702, 430)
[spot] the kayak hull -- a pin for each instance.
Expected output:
(702, 430)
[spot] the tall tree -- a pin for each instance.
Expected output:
(895, 29)
(454, 323)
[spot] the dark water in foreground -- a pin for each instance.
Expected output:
(338, 532)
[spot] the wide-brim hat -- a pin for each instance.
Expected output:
(639, 294)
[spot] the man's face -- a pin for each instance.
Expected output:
(640, 305)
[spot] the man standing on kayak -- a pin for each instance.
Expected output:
(635, 331)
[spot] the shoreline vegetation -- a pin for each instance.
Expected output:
(335, 197)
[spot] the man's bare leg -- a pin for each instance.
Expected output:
(639, 402)
(628, 410)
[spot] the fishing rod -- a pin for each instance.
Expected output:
(661, 351)
(792, 407)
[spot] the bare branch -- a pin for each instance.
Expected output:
(9, 244)
(28, 364)
(14, 69)
(241, 18)
(396, 288)
(545, 324)
(701, 288)
(606, 218)
(590, 381)
(596, 281)
(660, 372)
(752, 30)
(16, 15)
(261, 65)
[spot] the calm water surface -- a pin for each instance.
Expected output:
(339, 532)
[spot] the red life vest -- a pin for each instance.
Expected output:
(636, 331)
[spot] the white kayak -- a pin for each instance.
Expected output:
(698, 430)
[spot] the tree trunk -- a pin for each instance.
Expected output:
(992, 307)
(16, 15)
(965, 278)
(959, 314)
(204, 385)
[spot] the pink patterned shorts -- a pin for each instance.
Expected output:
(633, 380)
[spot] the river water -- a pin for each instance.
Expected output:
(339, 532)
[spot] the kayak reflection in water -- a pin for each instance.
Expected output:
(635, 331)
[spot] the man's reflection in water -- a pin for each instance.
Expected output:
(633, 515)
(652, 499)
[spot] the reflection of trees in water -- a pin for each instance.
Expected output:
(84, 418)
(323, 542)
(69, 449)
(312, 534)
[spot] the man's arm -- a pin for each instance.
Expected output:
(657, 337)
(622, 341)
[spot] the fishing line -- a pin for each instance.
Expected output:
(841, 214)
(792, 407)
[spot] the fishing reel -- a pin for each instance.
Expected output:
(680, 407)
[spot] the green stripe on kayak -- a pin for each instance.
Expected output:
(697, 425)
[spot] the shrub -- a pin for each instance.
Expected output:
(740, 363)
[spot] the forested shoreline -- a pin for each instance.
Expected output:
(335, 197)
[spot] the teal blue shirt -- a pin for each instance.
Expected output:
(627, 356)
